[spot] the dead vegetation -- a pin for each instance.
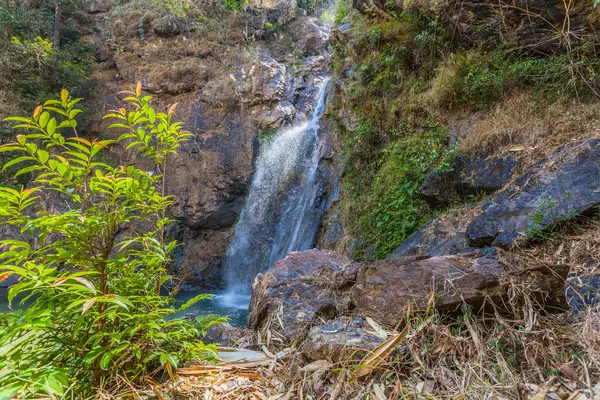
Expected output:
(529, 127)
(529, 355)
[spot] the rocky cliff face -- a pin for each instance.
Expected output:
(236, 80)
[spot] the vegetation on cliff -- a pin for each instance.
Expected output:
(411, 72)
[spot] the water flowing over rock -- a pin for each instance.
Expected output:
(282, 212)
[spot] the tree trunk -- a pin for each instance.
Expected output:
(57, 17)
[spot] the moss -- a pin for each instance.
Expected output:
(382, 203)
(266, 136)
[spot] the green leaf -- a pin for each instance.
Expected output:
(44, 119)
(16, 161)
(194, 300)
(105, 361)
(43, 156)
(51, 128)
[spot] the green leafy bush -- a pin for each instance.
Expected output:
(91, 256)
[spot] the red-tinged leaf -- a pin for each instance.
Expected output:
(126, 92)
(172, 108)
(36, 112)
(60, 281)
(138, 89)
(88, 304)
(82, 140)
(123, 111)
(5, 276)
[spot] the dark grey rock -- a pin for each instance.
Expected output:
(227, 335)
(583, 291)
(478, 174)
(436, 238)
(438, 188)
(470, 175)
(559, 187)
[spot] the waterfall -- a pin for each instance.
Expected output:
(281, 214)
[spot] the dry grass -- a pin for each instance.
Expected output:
(527, 355)
(522, 124)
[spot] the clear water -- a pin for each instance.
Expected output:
(281, 213)
(225, 305)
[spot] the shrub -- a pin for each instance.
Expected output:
(91, 275)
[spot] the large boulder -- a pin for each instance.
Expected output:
(559, 187)
(301, 290)
(303, 297)
(384, 289)
(563, 185)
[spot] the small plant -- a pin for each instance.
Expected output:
(235, 5)
(544, 219)
(91, 275)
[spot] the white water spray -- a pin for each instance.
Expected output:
(281, 213)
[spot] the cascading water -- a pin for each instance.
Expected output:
(281, 213)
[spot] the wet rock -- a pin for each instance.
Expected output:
(338, 340)
(282, 114)
(227, 335)
(167, 27)
(560, 186)
(383, 289)
(198, 258)
(300, 290)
